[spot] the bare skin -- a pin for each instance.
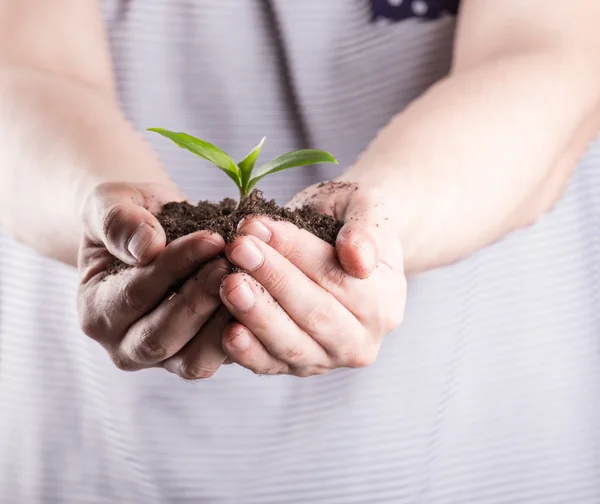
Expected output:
(319, 298)
(493, 145)
(136, 315)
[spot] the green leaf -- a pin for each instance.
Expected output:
(247, 164)
(290, 160)
(204, 150)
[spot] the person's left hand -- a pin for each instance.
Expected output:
(305, 308)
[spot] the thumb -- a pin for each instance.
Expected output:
(115, 216)
(365, 235)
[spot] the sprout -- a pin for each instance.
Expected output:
(243, 173)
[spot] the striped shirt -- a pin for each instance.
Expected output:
(489, 391)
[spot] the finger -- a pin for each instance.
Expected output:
(115, 216)
(312, 308)
(168, 328)
(313, 257)
(254, 307)
(245, 349)
(318, 261)
(202, 357)
(367, 236)
(109, 304)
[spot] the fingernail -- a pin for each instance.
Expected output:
(366, 251)
(242, 297)
(258, 229)
(214, 279)
(172, 365)
(241, 342)
(141, 240)
(247, 256)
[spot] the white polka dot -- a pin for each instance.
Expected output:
(395, 3)
(419, 7)
(383, 21)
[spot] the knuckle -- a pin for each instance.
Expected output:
(94, 330)
(191, 302)
(393, 319)
(266, 371)
(191, 307)
(295, 356)
(309, 371)
(197, 302)
(332, 276)
(274, 280)
(133, 298)
(95, 323)
(318, 317)
(110, 219)
(89, 324)
(361, 358)
(368, 314)
(389, 315)
(148, 347)
(123, 363)
(382, 318)
(193, 371)
(98, 193)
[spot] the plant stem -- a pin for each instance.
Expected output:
(243, 196)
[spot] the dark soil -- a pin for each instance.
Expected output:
(180, 219)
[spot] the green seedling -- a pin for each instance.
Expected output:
(243, 174)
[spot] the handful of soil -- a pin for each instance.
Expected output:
(181, 218)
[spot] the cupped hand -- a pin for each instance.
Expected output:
(149, 315)
(304, 307)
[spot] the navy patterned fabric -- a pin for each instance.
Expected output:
(399, 10)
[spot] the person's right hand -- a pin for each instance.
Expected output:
(159, 312)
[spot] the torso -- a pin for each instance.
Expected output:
(488, 392)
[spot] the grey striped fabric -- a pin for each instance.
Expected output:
(489, 393)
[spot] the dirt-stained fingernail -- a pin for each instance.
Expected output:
(258, 229)
(241, 224)
(172, 365)
(247, 255)
(141, 240)
(241, 341)
(241, 297)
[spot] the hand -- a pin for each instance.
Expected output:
(149, 315)
(304, 309)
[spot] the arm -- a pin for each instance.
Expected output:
(490, 148)
(61, 130)
(79, 184)
(484, 152)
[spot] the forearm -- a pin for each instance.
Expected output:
(483, 153)
(58, 140)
